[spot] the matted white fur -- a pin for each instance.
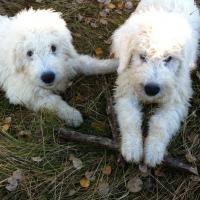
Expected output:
(157, 49)
(37, 43)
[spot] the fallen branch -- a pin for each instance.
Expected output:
(73, 136)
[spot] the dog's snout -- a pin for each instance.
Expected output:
(151, 89)
(48, 77)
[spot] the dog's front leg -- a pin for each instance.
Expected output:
(129, 119)
(162, 126)
(55, 104)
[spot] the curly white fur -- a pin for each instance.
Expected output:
(27, 54)
(156, 45)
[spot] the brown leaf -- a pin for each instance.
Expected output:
(135, 185)
(110, 6)
(107, 170)
(103, 188)
(84, 182)
(190, 158)
(98, 51)
(6, 124)
(120, 5)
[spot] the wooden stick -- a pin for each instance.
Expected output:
(73, 136)
(110, 111)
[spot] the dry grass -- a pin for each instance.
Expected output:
(54, 176)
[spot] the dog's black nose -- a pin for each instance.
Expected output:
(151, 89)
(48, 77)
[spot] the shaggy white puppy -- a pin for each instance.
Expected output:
(157, 48)
(38, 59)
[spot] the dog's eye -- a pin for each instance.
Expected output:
(143, 58)
(53, 48)
(168, 59)
(29, 53)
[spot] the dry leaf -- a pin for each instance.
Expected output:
(12, 184)
(159, 172)
(104, 1)
(18, 175)
(77, 163)
(6, 124)
(38, 1)
(128, 5)
(5, 127)
(193, 138)
(14, 180)
(90, 175)
(110, 6)
(104, 13)
(79, 98)
(94, 24)
(120, 5)
(103, 21)
(79, 1)
(144, 170)
(84, 182)
(103, 188)
(37, 159)
(107, 170)
(135, 185)
(98, 51)
(190, 158)
(108, 41)
(98, 125)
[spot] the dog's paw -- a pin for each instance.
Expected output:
(154, 152)
(132, 150)
(74, 118)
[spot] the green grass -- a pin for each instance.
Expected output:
(54, 176)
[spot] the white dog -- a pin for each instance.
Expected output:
(157, 48)
(38, 59)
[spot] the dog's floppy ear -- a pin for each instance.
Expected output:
(17, 58)
(121, 48)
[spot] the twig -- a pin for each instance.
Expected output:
(112, 120)
(110, 112)
(74, 136)
(105, 142)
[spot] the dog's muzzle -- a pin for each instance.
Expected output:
(48, 77)
(151, 89)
